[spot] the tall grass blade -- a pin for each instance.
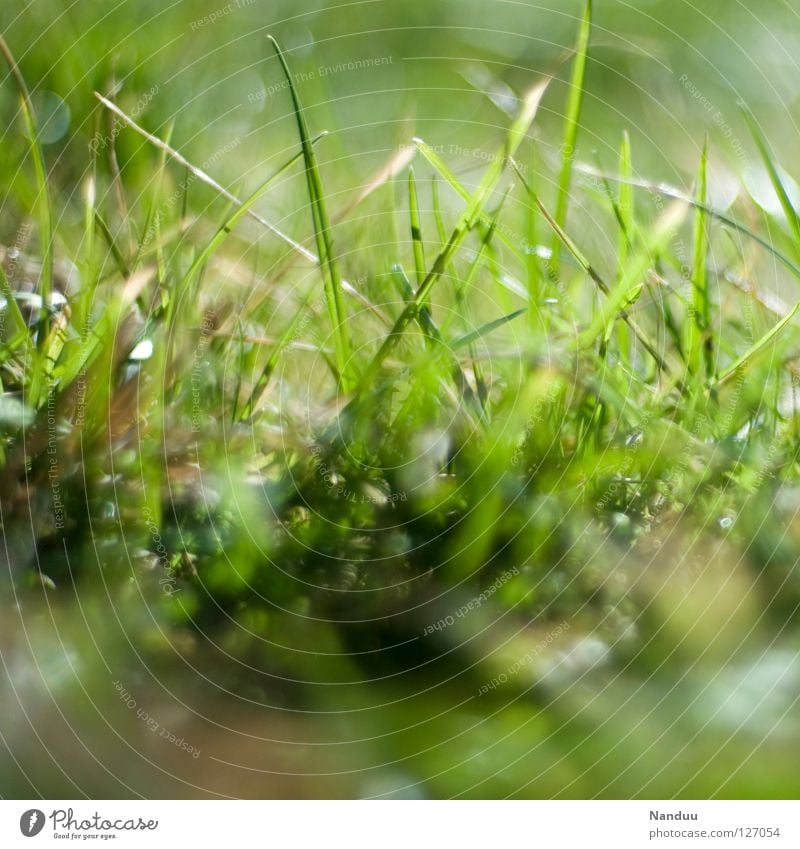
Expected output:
(625, 202)
(322, 227)
(233, 219)
(111, 243)
(572, 124)
(206, 178)
(20, 327)
(256, 397)
(416, 229)
(756, 349)
(450, 178)
(767, 156)
(623, 297)
(466, 222)
(676, 194)
(700, 344)
(43, 196)
(483, 330)
(653, 244)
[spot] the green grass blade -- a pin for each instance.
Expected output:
(152, 222)
(699, 346)
(572, 124)
(620, 295)
(532, 267)
(233, 219)
(436, 343)
(450, 178)
(90, 197)
(12, 306)
(43, 195)
(441, 229)
(484, 330)
(82, 305)
(757, 348)
(625, 202)
(262, 384)
(298, 248)
(676, 194)
(111, 242)
(653, 245)
(466, 221)
(416, 229)
(768, 158)
(322, 227)
(406, 292)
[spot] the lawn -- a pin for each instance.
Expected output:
(399, 400)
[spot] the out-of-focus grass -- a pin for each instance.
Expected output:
(387, 497)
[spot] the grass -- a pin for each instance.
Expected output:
(571, 127)
(508, 538)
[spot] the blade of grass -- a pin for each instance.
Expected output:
(43, 195)
(625, 201)
(574, 109)
(322, 228)
(489, 221)
(436, 342)
(444, 171)
(676, 194)
(621, 296)
(116, 175)
(262, 384)
(757, 348)
(82, 305)
(90, 197)
(625, 239)
(653, 245)
(108, 236)
(152, 221)
(768, 158)
(416, 229)
(12, 306)
(201, 175)
(532, 267)
(233, 219)
(700, 345)
(483, 330)
(406, 292)
(441, 231)
(437, 209)
(477, 201)
(467, 221)
(462, 287)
